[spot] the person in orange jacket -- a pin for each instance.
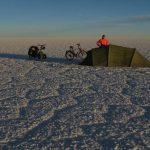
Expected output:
(103, 41)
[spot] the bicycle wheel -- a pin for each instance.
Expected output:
(82, 54)
(44, 56)
(69, 55)
(40, 56)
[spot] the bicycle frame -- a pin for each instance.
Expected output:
(78, 53)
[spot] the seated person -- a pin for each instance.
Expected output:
(103, 42)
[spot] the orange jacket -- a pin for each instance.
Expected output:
(104, 42)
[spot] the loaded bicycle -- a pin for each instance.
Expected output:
(37, 52)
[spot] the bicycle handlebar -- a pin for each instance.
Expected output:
(41, 45)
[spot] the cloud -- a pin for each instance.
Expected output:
(134, 19)
(143, 18)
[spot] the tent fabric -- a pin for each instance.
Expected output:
(115, 56)
(139, 60)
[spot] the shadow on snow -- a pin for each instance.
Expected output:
(49, 59)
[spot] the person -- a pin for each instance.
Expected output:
(103, 41)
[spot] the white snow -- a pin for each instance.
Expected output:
(56, 104)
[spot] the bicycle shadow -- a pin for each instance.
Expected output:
(62, 60)
(14, 56)
(59, 60)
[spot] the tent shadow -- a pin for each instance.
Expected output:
(59, 60)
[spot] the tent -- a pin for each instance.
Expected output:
(115, 56)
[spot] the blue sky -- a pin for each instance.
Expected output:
(69, 18)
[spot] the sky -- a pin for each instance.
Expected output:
(74, 18)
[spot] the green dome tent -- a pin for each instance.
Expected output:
(115, 56)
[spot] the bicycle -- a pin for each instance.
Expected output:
(37, 52)
(78, 53)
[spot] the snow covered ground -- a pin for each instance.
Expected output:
(58, 104)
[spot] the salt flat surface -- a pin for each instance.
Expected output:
(58, 104)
